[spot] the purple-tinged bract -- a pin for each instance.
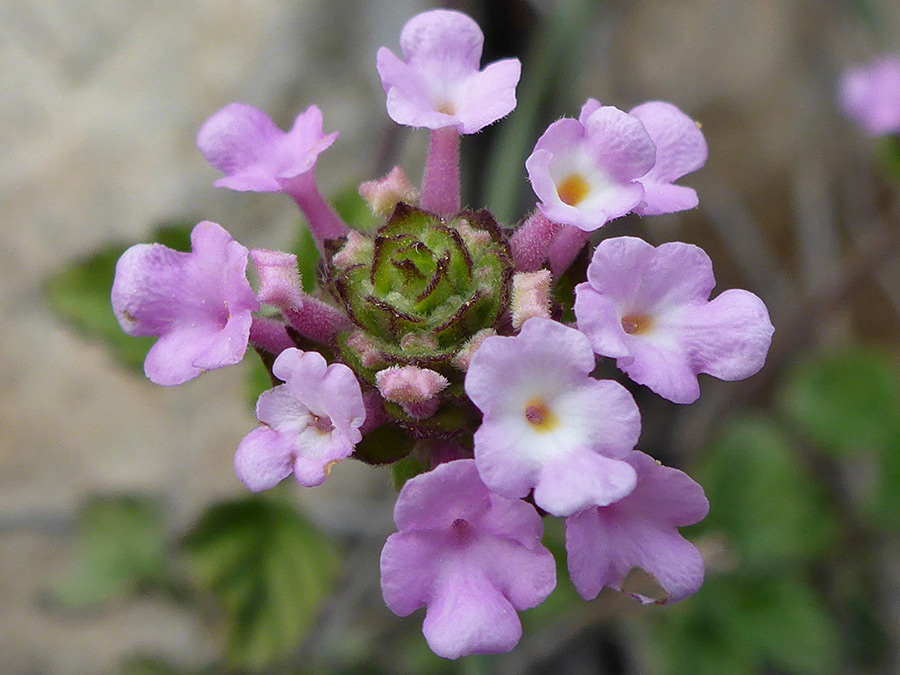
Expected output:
(870, 96)
(585, 172)
(254, 154)
(680, 149)
(438, 83)
(198, 304)
(473, 558)
(649, 308)
(604, 543)
(307, 424)
(548, 425)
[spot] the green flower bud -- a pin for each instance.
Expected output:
(418, 292)
(424, 287)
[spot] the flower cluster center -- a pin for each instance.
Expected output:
(540, 416)
(322, 423)
(573, 189)
(636, 324)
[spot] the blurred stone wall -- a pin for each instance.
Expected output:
(99, 104)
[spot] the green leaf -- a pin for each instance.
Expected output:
(889, 154)
(146, 665)
(883, 508)
(763, 498)
(404, 469)
(740, 625)
(307, 259)
(557, 49)
(845, 402)
(354, 210)
(122, 547)
(79, 294)
(268, 569)
(258, 378)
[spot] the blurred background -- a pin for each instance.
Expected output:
(127, 545)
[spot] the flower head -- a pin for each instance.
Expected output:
(470, 556)
(438, 83)
(307, 424)
(547, 423)
(680, 149)
(585, 172)
(641, 530)
(870, 95)
(198, 304)
(254, 154)
(649, 308)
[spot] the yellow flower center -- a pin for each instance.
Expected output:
(573, 189)
(540, 416)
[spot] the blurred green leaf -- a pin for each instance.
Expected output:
(845, 402)
(79, 294)
(268, 569)
(763, 498)
(554, 50)
(740, 626)
(889, 154)
(307, 259)
(404, 469)
(122, 548)
(355, 211)
(258, 379)
(884, 506)
(146, 665)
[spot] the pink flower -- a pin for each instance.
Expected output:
(585, 172)
(198, 304)
(604, 543)
(438, 83)
(649, 308)
(870, 95)
(471, 557)
(680, 149)
(254, 154)
(548, 425)
(307, 424)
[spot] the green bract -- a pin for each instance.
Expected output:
(421, 289)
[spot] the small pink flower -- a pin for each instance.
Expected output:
(680, 150)
(438, 83)
(254, 154)
(471, 557)
(870, 95)
(198, 304)
(641, 530)
(585, 172)
(307, 424)
(649, 308)
(548, 425)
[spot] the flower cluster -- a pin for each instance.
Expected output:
(870, 95)
(435, 339)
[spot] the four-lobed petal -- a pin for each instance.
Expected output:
(254, 154)
(649, 308)
(472, 558)
(198, 304)
(870, 95)
(605, 543)
(547, 424)
(307, 424)
(438, 83)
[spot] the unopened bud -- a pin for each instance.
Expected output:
(530, 296)
(382, 194)
(414, 389)
(279, 278)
